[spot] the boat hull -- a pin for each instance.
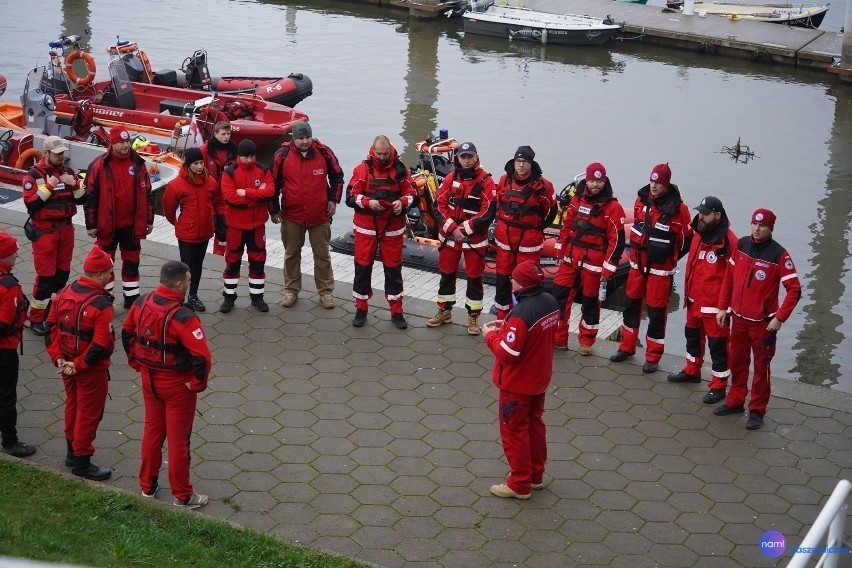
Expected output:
(788, 14)
(287, 91)
(540, 27)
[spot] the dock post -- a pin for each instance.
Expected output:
(688, 7)
(844, 70)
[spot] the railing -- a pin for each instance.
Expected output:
(831, 519)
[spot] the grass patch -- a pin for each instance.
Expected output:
(47, 517)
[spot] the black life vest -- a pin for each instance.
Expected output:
(152, 349)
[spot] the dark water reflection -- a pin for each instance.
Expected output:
(628, 105)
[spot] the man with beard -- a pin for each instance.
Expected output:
(757, 269)
(466, 208)
(660, 235)
(592, 240)
(120, 207)
(219, 151)
(380, 191)
(706, 266)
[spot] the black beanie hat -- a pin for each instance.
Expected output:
(526, 153)
(192, 155)
(246, 148)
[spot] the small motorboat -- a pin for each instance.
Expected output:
(194, 74)
(531, 25)
(422, 243)
(799, 15)
(156, 107)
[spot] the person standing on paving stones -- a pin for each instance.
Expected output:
(249, 194)
(13, 314)
(309, 180)
(466, 207)
(51, 193)
(192, 193)
(758, 268)
(706, 266)
(523, 366)
(119, 207)
(80, 341)
(591, 241)
(165, 341)
(380, 191)
(660, 236)
(526, 204)
(219, 151)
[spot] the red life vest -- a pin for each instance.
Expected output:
(9, 289)
(70, 304)
(385, 190)
(152, 348)
(519, 206)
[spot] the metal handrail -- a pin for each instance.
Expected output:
(831, 519)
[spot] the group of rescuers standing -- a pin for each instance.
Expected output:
(731, 285)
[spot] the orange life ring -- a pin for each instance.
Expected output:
(126, 48)
(146, 65)
(449, 145)
(27, 155)
(90, 67)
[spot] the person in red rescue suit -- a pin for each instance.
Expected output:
(219, 151)
(13, 315)
(591, 242)
(380, 191)
(661, 234)
(466, 207)
(758, 268)
(523, 367)
(119, 207)
(80, 341)
(526, 204)
(192, 194)
(309, 180)
(165, 342)
(51, 193)
(250, 197)
(706, 265)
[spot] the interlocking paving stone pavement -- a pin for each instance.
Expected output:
(382, 444)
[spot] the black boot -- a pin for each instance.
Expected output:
(69, 455)
(83, 467)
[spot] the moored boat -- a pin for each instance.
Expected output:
(531, 25)
(799, 15)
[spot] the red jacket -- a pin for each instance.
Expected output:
(524, 209)
(48, 204)
(252, 210)
(593, 230)
(216, 157)
(753, 280)
(184, 339)
(100, 199)
(79, 326)
(523, 346)
(466, 200)
(661, 232)
(707, 264)
(307, 183)
(193, 195)
(13, 309)
(370, 180)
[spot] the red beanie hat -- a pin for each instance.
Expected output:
(764, 217)
(8, 245)
(118, 134)
(97, 261)
(528, 274)
(662, 173)
(595, 170)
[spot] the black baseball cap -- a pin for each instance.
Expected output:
(710, 204)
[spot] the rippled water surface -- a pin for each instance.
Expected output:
(627, 105)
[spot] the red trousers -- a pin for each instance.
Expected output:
(474, 265)
(564, 290)
(506, 263)
(698, 327)
(750, 338)
(524, 439)
(366, 247)
(169, 413)
(254, 241)
(655, 291)
(52, 262)
(85, 398)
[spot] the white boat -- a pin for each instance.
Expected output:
(800, 15)
(531, 25)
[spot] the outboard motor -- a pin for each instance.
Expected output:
(197, 73)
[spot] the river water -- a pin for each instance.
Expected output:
(627, 105)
